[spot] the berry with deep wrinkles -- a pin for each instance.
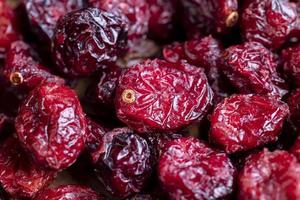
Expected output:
(291, 64)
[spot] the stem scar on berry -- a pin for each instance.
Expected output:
(128, 96)
(232, 19)
(16, 78)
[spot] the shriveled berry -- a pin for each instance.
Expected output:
(51, 126)
(294, 103)
(86, 39)
(159, 96)
(244, 122)
(22, 69)
(291, 64)
(251, 68)
(19, 176)
(174, 52)
(270, 175)
(125, 163)
(268, 21)
(68, 192)
(189, 169)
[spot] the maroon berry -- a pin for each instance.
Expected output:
(268, 21)
(291, 59)
(251, 68)
(295, 149)
(150, 96)
(86, 39)
(125, 162)
(51, 126)
(243, 122)
(22, 69)
(189, 169)
(68, 192)
(174, 52)
(270, 175)
(19, 176)
(294, 103)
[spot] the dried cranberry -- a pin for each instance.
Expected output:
(189, 169)
(251, 68)
(291, 59)
(268, 21)
(270, 175)
(85, 39)
(155, 103)
(68, 192)
(294, 103)
(51, 126)
(22, 69)
(125, 162)
(174, 52)
(243, 122)
(295, 149)
(20, 177)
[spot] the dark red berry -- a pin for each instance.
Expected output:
(22, 69)
(243, 122)
(86, 39)
(251, 68)
(174, 52)
(159, 96)
(295, 149)
(189, 169)
(268, 21)
(51, 126)
(294, 103)
(125, 163)
(291, 64)
(270, 175)
(68, 192)
(19, 176)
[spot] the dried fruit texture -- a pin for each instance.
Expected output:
(189, 169)
(22, 69)
(134, 12)
(125, 163)
(291, 64)
(268, 21)
(51, 126)
(244, 122)
(251, 68)
(294, 103)
(20, 177)
(167, 97)
(295, 149)
(174, 52)
(208, 16)
(270, 175)
(68, 192)
(86, 39)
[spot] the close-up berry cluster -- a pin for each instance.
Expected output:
(149, 100)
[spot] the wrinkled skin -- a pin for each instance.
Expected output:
(102, 39)
(268, 21)
(125, 163)
(270, 175)
(51, 126)
(291, 64)
(189, 169)
(20, 59)
(168, 97)
(20, 177)
(294, 103)
(251, 68)
(68, 192)
(244, 122)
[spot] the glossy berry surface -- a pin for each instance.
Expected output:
(270, 175)
(190, 169)
(86, 39)
(168, 97)
(243, 122)
(291, 65)
(125, 163)
(68, 192)
(294, 103)
(20, 177)
(252, 68)
(51, 126)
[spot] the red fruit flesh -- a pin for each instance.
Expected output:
(51, 126)
(189, 169)
(156, 102)
(244, 122)
(291, 64)
(294, 103)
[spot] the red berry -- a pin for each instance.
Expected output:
(244, 122)
(159, 96)
(19, 176)
(51, 126)
(251, 68)
(291, 65)
(295, 149)
(294, 103)
(174, 52)
(86, 39)
(270, 175)
(189, 169)
(68, 192)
